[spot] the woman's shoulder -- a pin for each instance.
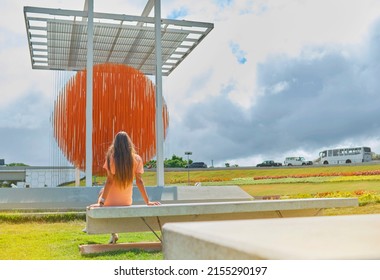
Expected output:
(138, 165)
(137, 158)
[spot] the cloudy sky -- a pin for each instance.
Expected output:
(273, 79)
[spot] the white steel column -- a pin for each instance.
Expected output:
(159, 107)
(90, 61)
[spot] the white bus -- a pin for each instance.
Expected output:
(346, 155)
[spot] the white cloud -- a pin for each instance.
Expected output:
(18, 78)
(279, 87)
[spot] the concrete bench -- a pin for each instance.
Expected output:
(138, 218)
(354, 237)
(131, 218)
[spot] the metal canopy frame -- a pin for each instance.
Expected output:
(75, 40)
(58, 40)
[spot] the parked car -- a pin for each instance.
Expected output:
(290, 161)
(197, 165)
(269, 163)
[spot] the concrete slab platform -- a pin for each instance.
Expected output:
(329, 237)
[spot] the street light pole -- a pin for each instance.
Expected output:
(188, 167)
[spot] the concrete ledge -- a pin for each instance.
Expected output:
(219, 207)
(59, 198)
(330, 237)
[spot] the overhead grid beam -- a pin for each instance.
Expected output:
(137, 41)
(114, 37)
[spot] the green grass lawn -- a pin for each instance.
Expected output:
(60, 241)
(54, 237)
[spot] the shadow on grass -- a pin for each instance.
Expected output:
(134, 254)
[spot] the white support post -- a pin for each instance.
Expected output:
(159, 107)
(77, 177)
(90, 61)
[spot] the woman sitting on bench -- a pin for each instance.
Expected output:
(122, 165)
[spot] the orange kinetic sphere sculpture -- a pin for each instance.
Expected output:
(123, 99)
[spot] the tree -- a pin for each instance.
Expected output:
(375, 156)
(16, 164)
(174, 162)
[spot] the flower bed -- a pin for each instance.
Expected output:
(364, 197)
(322, 174)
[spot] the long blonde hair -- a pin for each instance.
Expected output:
(122, 151)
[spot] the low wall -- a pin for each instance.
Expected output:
(62, 198)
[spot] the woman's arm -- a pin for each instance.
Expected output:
(141, 186)
(108, 183)
(106, 190)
